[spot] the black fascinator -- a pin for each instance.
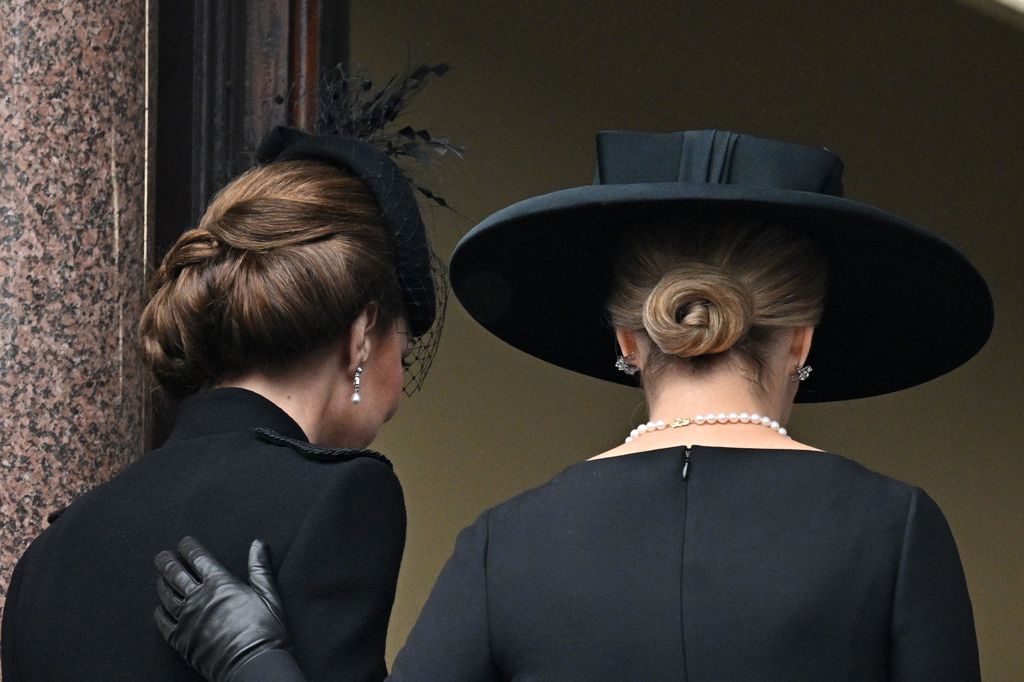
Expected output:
(354, 133)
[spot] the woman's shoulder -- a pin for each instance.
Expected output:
(842, 471)
(817, 473)
(321, 453)
(257, 452)
(588, 482)
(352, 477)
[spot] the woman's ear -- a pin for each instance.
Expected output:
(800, 345)
(360, 338)
(628, 345)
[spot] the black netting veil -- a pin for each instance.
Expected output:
(424, 347)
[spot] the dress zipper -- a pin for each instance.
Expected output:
(685, 498)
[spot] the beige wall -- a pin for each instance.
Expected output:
(924, 101)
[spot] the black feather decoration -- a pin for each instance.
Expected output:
(351, 106)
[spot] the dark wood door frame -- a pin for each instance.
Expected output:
(227, 72)
(254, 64)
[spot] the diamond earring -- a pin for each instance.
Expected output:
(801, 373)
(355, 384)
(622, 363)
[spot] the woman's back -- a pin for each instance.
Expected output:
(755, 564)
(337, 528)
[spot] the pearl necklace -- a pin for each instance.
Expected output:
(710, 418)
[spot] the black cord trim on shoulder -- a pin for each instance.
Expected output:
(318, 452)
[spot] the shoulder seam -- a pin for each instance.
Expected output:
(487, 593)
(911, 509)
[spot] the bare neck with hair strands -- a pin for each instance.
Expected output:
(316, 391)
(305, 391)
(724, 385)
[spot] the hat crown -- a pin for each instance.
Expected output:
(716, 157)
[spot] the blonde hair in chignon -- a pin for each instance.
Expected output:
(284, 259)
(697, 310)
(699, 290)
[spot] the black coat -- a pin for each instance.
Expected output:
(716, 564)
(335, 523)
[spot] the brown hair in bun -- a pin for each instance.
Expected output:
(285, 258)
(719, 285)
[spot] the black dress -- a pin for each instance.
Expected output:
(335, 523)
(709, 564)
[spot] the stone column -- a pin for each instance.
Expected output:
(73, 240)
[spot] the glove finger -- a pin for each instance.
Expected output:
(165, 625)
(197, 558)
(175, 574)
(171, 602)
(261, 578)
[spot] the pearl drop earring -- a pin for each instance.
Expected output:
(355, 385)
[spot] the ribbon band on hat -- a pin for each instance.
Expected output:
(707, 156)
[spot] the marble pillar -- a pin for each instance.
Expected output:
(73, 242)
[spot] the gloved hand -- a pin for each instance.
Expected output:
(217, 622)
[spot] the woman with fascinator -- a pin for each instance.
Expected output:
(284, 320)
(711, 544)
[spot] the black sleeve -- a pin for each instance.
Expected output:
(8, 655)
(932, 635)
(337, 579)
(451, 638)
(276, 665)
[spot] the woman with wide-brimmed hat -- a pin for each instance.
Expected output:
(709, 545)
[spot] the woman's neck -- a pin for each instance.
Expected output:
(674, 396)
(304, 391)
(292, 399)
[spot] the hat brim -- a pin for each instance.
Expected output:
(903, 305)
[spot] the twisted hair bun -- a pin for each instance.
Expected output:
(284, 259)
(695, 286)
(194, 247)
(697, 310)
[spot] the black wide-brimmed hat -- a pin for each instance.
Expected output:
(903, 306)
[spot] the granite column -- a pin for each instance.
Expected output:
(73, 249)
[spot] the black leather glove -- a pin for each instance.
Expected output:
(217, 622)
